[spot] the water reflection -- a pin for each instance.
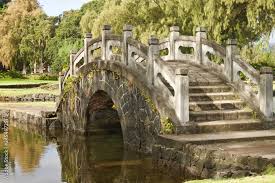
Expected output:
(77, 159)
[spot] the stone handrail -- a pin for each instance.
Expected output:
(247, 69)
(147, 60)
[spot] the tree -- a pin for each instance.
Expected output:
(13, 29)
(33, 46)
(68, 36)
(242, 19)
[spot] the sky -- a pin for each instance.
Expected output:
(56, 7)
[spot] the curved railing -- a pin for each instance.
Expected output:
(151, 61)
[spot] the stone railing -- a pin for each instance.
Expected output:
(151, 60)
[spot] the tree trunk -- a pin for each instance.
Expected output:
(24, 72)
(34, 68)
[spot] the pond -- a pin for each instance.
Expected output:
(75, 159)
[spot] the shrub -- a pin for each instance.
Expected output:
(44, 77)
(11, 75)
(48, 77)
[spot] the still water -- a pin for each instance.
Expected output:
(70, 158)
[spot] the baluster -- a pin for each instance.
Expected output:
(231, 47)
(174, 34)
(72, 57)
(153, 52)
(60, 82)
(104, 50)
(200, 34)
(266, 92)
(88, 38)
(127, 33)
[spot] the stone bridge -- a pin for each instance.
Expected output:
(180, 85)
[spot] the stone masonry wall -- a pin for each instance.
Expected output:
(30, 98)
(199, 161)
(140, 121)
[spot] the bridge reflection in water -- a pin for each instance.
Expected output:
(77, 159)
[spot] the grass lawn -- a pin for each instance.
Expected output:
(24, 91)
(257, 179)
(24, 81)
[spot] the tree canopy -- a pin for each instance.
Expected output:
(28, 36)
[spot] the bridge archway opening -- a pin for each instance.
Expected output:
(102, 116)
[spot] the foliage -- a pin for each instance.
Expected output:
(48, 77)
(28, 36)
(167, 126)
(243, 19)
(13, 29)
(259, 55)
(67, 37)
(11, 74)
(270, 170)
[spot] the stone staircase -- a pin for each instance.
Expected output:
(217, 102)
(221, 116)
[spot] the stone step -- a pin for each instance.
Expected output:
(229, 125)
(209, 89)
(206, 83)
(215, 115)
(216, 105)
(221, 137)
(212, 96)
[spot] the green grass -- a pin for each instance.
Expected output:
(24, 81)
(260, 179)
(268, 177)
(18, 92)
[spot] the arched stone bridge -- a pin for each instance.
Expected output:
(182, 84)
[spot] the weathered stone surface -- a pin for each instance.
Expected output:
(30, 98)
(139, 124)
(204, 162)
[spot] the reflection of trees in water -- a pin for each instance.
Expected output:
(101, 159)
(26, 148)
(80, 156)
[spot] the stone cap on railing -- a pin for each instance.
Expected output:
(231, 42)
(127, 28)
(88, 35)
(174, 29)
(106, 27)
(153, 40)
(201, 29)
(182, 72)
(266, 70)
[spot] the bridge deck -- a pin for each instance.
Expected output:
(197, 75)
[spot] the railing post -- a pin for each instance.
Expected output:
(88, 38)
(60, 79)
(266, 92)
(153, 52)
(174, 34)
(231, 47)
(104, 50)
(127, 32)
(200, 34)
(182, 95)
(72, 56)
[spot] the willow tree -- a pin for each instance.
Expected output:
(33, 46)
(245, 20)
(12, 29)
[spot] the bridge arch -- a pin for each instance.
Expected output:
(140, 122)
(102, 115)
